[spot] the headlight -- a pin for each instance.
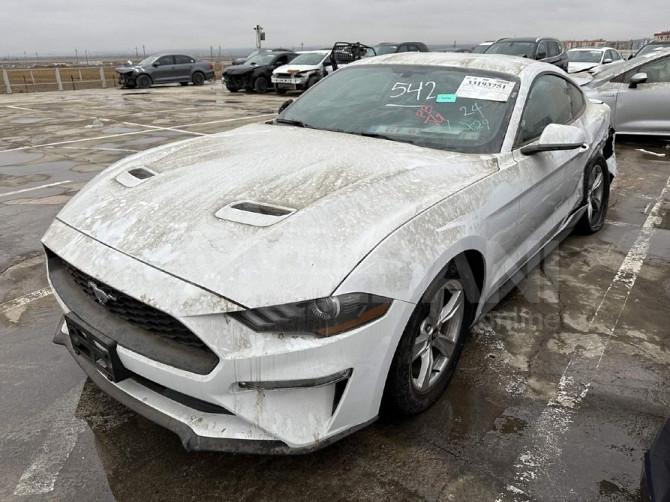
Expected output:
(323, 316)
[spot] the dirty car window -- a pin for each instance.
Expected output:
(435, 107)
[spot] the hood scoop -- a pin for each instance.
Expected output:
(253, 213)
(134, 177)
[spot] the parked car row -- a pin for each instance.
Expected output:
(164, 69)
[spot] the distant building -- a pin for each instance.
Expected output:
(573, 44)
(663, 36)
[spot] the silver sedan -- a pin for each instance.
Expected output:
(637, 91)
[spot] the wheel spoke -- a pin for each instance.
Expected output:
(452, 306)
(597, 182)
(436, 305)
(444, 345)
(426, 370)
(420, 346)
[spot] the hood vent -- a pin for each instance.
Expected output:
(254, 213)
(134, 177)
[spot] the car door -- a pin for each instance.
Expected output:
(645, 108)
(546, 179)
(183, 67)
(163, 70)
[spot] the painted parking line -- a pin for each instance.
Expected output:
(35, 188)
(24, 300)
(41, 475)
(545, 447)
(134, 133)
(22, 108)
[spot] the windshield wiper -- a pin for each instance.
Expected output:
(296, 123)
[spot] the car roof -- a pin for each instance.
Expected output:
(398, 43)
(486, 62)
(318, 51)
(525, 39)
(592, 49)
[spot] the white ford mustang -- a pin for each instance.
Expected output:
(270, 288)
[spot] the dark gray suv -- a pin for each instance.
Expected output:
(547, 49)
(165, 68)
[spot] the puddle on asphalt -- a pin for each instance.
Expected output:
(27, 120)
(18, 158)
(9, 180)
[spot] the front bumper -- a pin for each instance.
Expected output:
(306, 413)
(292, 83)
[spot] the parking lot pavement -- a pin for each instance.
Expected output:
(559, 391)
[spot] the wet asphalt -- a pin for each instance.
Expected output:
(559, 392)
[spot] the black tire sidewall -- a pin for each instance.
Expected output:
(585, 226)
(258, 87)
(198, 78)
(143, 81)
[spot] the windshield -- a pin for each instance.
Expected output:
(522, 49)
(584, 56)
(651, 48)
(481, 48)
(309, 58)
(436, 107)
(148, 61)
(260, 59)
(385, 49)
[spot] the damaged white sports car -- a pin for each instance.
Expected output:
(270, 288)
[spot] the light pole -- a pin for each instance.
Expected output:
(260, 35)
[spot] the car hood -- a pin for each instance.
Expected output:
(243, 68)
(348, 193)
(295, 68)
(572, 67)
(127, 69)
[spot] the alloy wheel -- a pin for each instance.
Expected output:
(438, 335)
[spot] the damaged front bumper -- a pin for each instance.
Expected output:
(255, 393)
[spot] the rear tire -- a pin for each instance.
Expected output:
(431, 344)
(198, 78)
(596, 196)
(261, 85)
(143, 81)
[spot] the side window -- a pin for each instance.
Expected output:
(657, 71)
(183, 60)
(553, 48)
(548, 103)
(541, 50)
(576, 100)
(403, 48)
(165, 60)
(609, 55)
(615, 56)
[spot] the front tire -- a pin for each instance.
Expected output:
(143, 81)
(596, 197)
(261, 85)
(232, 88)
(279, 91)
(431, 344)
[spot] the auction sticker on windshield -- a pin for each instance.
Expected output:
(491, 89)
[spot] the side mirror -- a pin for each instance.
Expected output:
(284, 105)
(541, 55)
(638, 78)
(607, 61)
(155, 64)
(557, 137)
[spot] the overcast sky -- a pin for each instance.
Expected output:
(60, 26)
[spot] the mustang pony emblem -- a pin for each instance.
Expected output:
(100, 295)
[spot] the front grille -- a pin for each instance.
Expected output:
(134, 311)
